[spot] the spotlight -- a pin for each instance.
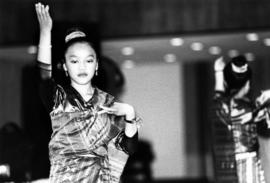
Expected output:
(128, 50)
(214, 50)
(252, 37)
(128, 64)
(177, 41)
(233, 53)
(170, 58)
(196, 46)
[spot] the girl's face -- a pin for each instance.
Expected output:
(80, 63)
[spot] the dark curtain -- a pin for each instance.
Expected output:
(198, 84)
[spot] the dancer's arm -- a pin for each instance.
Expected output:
(219, 77)
(45, 25)
(129, 140)
(46, 85)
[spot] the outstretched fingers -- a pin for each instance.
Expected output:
(42, 11)
(43, 16)
(47, 14)
(38, 10)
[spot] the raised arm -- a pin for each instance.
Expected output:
(45, 25)
(219, 77)
(46, 84)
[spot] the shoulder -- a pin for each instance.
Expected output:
(59, 94)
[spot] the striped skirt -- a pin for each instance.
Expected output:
(249, 169)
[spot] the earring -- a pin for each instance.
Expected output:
(96, 72)
(66, 72)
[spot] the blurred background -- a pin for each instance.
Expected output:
(157, 55)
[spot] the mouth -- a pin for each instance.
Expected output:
(82, 75)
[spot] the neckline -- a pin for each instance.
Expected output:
(79, 96)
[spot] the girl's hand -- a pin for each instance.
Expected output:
(219, 64)
(44, 18)
(119, 109)
(265, 96)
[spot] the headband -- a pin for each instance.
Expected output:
(239, 69)
(74, 34)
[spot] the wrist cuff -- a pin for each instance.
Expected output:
(133, 121)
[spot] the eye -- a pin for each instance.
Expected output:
(90, 60)
(73, 61)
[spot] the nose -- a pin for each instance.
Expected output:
(82, 65)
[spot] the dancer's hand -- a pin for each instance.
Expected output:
(119, 109)
(45, 25)
(265, 96)
(219, 64)
(44, 18)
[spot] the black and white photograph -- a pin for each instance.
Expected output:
(134, 91)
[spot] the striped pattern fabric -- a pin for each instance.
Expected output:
(249, 169)
(235, 142)
(83, 146)
(117, 161)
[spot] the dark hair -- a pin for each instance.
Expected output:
(80, 39)
(77, 40)
(239, 60)
(234, 80)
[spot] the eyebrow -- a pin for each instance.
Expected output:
(91, 55)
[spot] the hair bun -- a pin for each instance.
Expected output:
(239, 60)
(74, 34)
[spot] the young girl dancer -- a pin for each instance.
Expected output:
(92, 133)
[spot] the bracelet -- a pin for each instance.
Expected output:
(133, 121)
(218, 71)
(137, 120)
(44, 66)
(45, 46)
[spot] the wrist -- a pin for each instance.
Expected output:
(132, 121)
(130, 113)
(45, 31)
(44, 46)
(219, 71)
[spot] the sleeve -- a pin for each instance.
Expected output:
(127, 144)
(46, 85)
(262, 118)
(220, 108)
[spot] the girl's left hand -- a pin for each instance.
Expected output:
(119, 109)
(44, 17)
(219, 64)
(264, 97)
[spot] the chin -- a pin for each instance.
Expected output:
(82, 82)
